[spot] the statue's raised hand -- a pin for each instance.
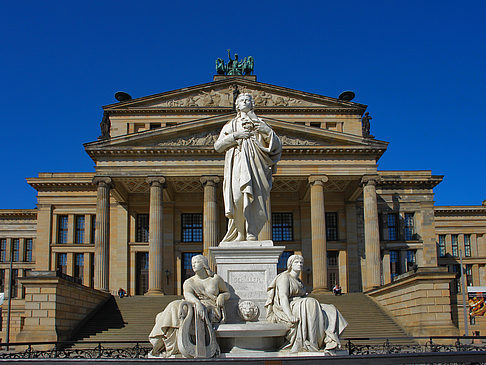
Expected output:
(241, 134)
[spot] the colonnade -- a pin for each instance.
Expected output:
(211, 231)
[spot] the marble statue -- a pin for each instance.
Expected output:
(204, 296)
(252, 152)
(313, 326)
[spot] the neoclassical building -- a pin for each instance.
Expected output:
(155, 199)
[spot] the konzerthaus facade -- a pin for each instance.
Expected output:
(155, 199)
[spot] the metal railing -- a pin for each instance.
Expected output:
(355, 347)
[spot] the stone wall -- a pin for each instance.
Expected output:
(419, 301)
(55, 307)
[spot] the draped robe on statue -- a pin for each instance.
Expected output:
(319, 325)
(248, 167)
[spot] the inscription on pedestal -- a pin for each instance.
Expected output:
(248, 284)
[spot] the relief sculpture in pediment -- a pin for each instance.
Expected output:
(198, 139)
(263, 98)
(297, 141)
(203, 99)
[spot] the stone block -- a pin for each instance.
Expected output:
(48, 322)
(39, 297)
(41, 313)
(47, 305)
(32, 305)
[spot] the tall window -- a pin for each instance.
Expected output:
(392, 225)
(28, 250)
(142, 230)
(2, 280)
(282, 261)
(192, 227)
(62, 262)
(409, 227)
(442, 245)
(411, 260)
(91, 270)
(79, 226)
(454, 238)
(467, 245)
(187, 271)
(62, 230)
(14, 282)
(282, 227)
(3, 250)
(79, 266)
(93, 229)
(332, 226)
(469, 275)
(16, 249)
(394, 263)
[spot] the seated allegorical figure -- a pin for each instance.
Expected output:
(206, 292)
(313, 326)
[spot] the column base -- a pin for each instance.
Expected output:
(155, 292)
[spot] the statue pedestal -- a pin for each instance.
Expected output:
(248, 267)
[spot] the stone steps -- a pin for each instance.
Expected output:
(132, 318)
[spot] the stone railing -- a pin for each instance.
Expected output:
(419, 301)
(56, 306)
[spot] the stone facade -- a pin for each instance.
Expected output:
(155, 197)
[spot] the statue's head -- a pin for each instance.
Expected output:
(296, 262)
(244, 102)
(203, 261)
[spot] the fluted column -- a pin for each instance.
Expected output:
(102, 233)
(372, 232)
(266, 232)
(210, 216)
(318, 229)
(155, 235)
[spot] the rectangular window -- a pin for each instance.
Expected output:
(26, 273)
(2, 281)
(409, 226)
(79, 267)
(93, 229)
(332, 226)
(79, 226)
(142, 228)
(469, 275)
(332, 258)
(3, 250)
(14, 282)
(392, 225)
(394, 264)
(467, 245)
(28, 250)
(62, 229)
(192, 227)
(62, 262)
(454, 238)
(411, 260)
(442, 245)
(91, 270)
(16, 249)
(282, 261)
(282, 227)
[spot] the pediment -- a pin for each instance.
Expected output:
(220, 94)
(203, 134)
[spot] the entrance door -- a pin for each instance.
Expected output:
(186, 266)
(332, 269)
(141, 273)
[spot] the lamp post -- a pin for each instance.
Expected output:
(463, 289)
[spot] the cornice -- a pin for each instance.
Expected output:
(213, 110)
(12, 213)
(430, 182)
(447, 210)
(59, 186)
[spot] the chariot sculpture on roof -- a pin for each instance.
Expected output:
(235, 66)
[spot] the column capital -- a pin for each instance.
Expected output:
(156, 180)
(318, 179)
(103, 181)
(209, 180)
(370, 180)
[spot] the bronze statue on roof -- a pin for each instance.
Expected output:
(235, 66)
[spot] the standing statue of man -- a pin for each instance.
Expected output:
(252, 152)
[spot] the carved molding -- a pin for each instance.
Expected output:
(103, 181)
(297, 141)
(318, 180)
(206, 138)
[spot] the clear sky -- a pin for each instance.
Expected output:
(418, 65)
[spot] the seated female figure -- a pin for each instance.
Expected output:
(313, 326)
(206, 291)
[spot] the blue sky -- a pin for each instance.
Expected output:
(418, 65)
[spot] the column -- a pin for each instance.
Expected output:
(210, 216)
(318, 231)
(155, 235)
(266, 232)
(102, 233)
(372, 232)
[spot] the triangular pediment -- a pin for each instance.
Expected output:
(202, 133)
(220, 94)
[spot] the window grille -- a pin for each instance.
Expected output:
(142, 228)
(467, 245)
(392, 225)
(454, 238)
(79, 266)
(62, 230)
(282, 261)
(16, 249)
(192, 227)
(28, 250)
(394, 264)
(409, 226)
(62, 262)
(3, 250)
(79, 224)
(332, 226)
(442, 245)
(282, 227)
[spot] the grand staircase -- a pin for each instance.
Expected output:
(132, 318)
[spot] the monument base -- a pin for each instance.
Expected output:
(248, 267)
